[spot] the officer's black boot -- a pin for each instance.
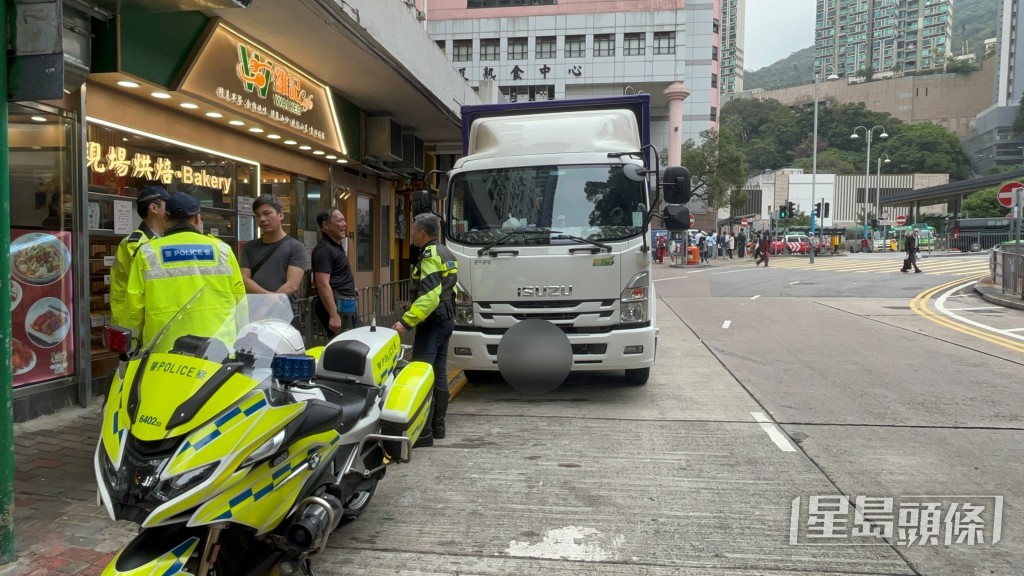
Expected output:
(440, 410)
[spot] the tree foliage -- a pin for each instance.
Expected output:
(773, 136)
(1018, 122)
(716, 166)
(983, 204)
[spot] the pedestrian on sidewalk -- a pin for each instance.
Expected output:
(730, 245)
(913, 246)
(673, 247)
(763, 247)
(336, 305)
(151, 207)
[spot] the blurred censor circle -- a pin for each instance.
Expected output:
(534, 356)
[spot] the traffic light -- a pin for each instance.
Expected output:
(791, 210)
(817, 208)
(825, 213)
(783, 213)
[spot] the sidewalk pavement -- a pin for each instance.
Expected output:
(993, 293)
(59, 527)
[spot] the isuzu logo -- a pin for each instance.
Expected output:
(544, 291)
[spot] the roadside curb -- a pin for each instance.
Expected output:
(456, 383)
(994, 294)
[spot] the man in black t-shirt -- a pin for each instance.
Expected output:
(332, 275)
(276, 262)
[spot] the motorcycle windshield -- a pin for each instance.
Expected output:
(216, 326)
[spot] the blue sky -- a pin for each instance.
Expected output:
(775, 29)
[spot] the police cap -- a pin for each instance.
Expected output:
(181, 205)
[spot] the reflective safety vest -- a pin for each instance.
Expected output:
(433, 285)
(168, 271)
(126, 251)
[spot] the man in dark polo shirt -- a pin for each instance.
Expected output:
(335, 286)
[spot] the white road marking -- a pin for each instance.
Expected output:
(773, 432)
(797, 282)
(735, 271)
(694, 271)
(726, 324)
(755, 297)
(940, 305)
(977, 308)
(672, 278)
(1015, 330)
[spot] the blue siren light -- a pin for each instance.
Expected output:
(293, 367)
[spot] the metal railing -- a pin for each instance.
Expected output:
(384, 303)
(1012, 272)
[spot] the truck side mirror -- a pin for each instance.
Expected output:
(676, 217)
(442, 181)
(676, 186)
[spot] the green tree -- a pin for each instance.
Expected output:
(1018, 122)
(927, 148)
(830, 161)
(716, 166)
(983, 204)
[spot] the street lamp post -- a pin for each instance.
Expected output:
(878, 194)
(869, 135)
(814, 158)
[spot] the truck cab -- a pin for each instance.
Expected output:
(548, 216)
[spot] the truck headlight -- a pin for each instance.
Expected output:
(633, 304)
(463, 306)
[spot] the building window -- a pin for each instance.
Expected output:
(440, 44)
(634, 43)
(509, 3)
(517, 48)
(714, 114)
(604, 44)
(490, 49)
(715, 26)
(714, 80)
(575, 46)
(546, 46)
(462, 51)
(664, 43)
(714, 52)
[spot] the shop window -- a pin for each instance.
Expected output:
(364, 234)
(43, 272)
(282, 186)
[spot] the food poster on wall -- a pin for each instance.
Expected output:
(41, 306)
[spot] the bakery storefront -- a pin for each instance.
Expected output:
(233, 121)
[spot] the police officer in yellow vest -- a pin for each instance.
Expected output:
(432, 313)
(152, 208)
(169, 270)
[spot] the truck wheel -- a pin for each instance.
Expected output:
(637, 376)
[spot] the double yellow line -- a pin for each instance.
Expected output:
(920, 305)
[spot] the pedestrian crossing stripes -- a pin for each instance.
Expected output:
(955, 266)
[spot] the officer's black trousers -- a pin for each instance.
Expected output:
(430, 345)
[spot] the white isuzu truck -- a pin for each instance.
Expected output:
(548, 214)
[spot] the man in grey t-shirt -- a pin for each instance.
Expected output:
(276, 262)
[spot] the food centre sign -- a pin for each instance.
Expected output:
(234, 72)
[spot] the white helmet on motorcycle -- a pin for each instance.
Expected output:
(267, 338)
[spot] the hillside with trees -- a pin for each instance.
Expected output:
(973, 22)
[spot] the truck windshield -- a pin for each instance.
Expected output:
(596, 202)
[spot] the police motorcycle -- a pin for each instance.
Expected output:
(236, 450)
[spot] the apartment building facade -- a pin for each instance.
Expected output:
(543, 49)
(733, 32)
(889, 37)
